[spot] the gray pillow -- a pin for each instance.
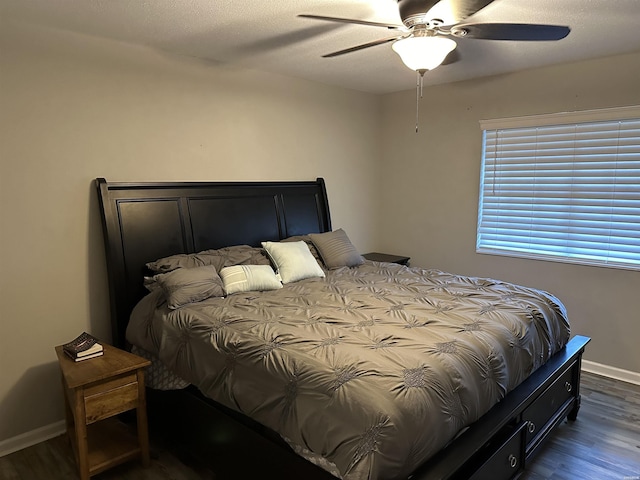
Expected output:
(336, 249)
(188, 285)
(222, 257)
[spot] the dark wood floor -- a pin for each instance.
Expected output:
(604, 443)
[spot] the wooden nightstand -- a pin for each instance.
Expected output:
(95, 391)
(385, 257)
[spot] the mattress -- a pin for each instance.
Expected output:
(373, 368)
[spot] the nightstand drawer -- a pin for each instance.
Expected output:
(111, 397)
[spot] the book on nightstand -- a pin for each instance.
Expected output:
(83, 347)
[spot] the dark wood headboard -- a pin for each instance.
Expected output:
(146, 221)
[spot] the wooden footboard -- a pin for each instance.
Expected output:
(498, 446)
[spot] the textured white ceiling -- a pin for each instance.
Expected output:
(267, 35)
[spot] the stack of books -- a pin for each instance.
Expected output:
(83, 347)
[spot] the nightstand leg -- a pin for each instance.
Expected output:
(141, 416)
(68, 414)
(81, 434)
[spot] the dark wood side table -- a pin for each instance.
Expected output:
(95, 391)
(385, 257)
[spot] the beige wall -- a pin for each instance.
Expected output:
(74, 108)
(434, 183)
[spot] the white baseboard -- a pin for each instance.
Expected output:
(28, 439)
(611, 372)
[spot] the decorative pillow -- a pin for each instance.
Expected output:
(243, 255)
(293, 260)
(222, 257)
(336, 249)
(246, 278)
(188, 285)
(150, 283)
(312, 248)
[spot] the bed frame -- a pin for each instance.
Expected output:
(146, 221)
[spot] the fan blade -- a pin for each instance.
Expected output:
(448, 11)
(454, 11)
(361, 47)
(510, 31)
(348, 20)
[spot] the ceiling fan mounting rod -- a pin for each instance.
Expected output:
(422, 30)
(421, 19)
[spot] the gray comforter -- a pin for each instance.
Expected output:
(374, 368)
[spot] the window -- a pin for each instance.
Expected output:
(563, 187)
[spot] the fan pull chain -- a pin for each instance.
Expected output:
(419, 85)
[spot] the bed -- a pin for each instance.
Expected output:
(326, 376)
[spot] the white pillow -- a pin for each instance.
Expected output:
(246, 278)
(293, 260)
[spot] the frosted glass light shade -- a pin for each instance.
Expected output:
(423, 53)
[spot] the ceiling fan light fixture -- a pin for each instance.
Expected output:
(423, 52)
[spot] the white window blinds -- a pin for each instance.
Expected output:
(563, 191)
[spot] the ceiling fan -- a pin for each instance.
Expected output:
(423, 40)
